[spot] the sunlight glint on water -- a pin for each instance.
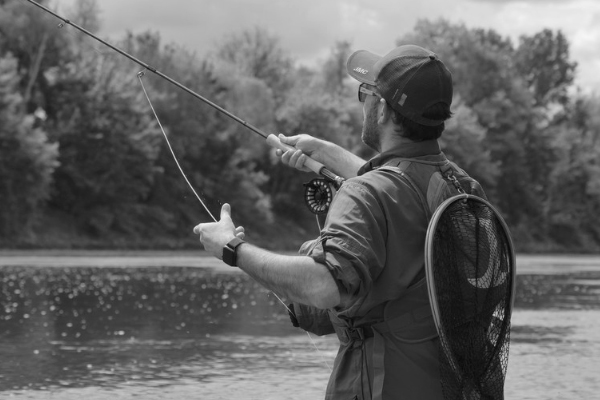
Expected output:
(162, 333)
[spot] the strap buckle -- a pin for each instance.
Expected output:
(357, 334)
(452, 178)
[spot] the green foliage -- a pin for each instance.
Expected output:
(463, 142)
(574, 190)
(512, 97)
(108, 144)
(27, 159)
(543, 62)
(310, 111)
(334, 75)
(32, 38)
(239, 165)
(257, 53)
(220, 156)
(479, 60)
(94, 159)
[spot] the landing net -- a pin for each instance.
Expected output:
(470, 268)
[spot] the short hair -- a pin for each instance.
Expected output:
(417, 132)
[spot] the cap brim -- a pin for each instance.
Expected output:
(361, 66)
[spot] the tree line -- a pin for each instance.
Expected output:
(83, 161)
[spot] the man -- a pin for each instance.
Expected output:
(363, 278)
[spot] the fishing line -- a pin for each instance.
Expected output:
(271, 139)
(140, 75)
(307, 332)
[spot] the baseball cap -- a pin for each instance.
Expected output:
(410, 78)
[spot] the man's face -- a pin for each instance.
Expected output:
(371, 132)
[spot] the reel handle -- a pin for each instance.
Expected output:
(311, 164)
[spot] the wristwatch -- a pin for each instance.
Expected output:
(230, 251)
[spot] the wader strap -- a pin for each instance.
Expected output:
(378, 365)
(427, 333)
(348, 335)
(421, 333)
(412, 184)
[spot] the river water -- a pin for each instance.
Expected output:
(170, 327)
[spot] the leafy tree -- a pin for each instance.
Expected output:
(258, 54)
(515, 128)
(27, 159)
(478, 59)
(220, 157)
(498, 83)
(574, 189)
(32, 37)
(333, 81)
(463, 142)
(108, 146)
(86, 13)
(322, 103)
(543, 62)
(238, 154)
(334, 72)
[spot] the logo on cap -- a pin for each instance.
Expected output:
(361, 70)
(402, 99)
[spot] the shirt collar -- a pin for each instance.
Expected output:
(405, 150)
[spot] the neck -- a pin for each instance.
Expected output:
(392, 140)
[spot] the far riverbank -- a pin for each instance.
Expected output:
(526, 263)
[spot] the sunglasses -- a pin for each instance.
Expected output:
(363, 92)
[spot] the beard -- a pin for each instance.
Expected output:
(371, 135)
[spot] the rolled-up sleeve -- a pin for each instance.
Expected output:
(352, 242)
(313, 320)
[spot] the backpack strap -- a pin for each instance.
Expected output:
(400, 171)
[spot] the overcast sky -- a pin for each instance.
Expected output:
(308, 28)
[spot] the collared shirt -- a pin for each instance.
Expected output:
(373, 238)
(407, 150)
(373, 244)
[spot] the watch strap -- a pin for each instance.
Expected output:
(230, 251)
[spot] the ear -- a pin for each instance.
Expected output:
(385, 112)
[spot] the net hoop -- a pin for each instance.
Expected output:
(430, 271)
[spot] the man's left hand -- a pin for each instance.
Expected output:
(215, 235)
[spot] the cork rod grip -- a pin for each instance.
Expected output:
(311, 164)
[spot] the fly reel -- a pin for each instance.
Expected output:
(318, 195)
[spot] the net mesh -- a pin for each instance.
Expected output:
(473, 272)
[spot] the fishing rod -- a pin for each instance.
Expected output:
(318, 194)
(271, 139)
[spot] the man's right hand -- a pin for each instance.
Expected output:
(335, 158)
(306, 145)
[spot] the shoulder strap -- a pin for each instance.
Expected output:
(402, 166)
